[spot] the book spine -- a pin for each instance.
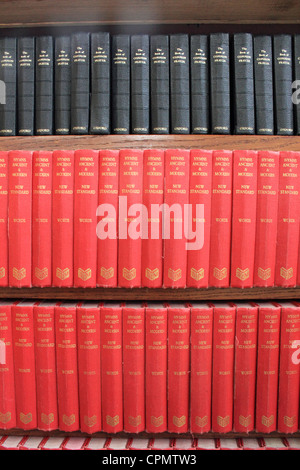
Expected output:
(41, 218)
(140, 84)
(201, 369)
(62, 82)
(153, 196)
(220, 83)
(178, 369)
(134, 369)
(8, 80)
(176, 199)
(156, 369)
(62, 218)
(243, 217)
(4, 219)
(263, 84)
(200, 101)
(159, 84)
(120, 83)
(297, 79)
(80, 83)
(20, 217)
(85, 219)
(45, 363)
(223, 368)
(266, 218)
(100, 83)
(25, 85)
(221, 212)
(130, 194)
(245, 368)
(111, 368)
(200, 217)
(7, 380)
(89, 368)
(180, 83)
(44, 85)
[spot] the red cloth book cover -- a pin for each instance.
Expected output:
(201, 367)
(199, 193)
(67, 366)
(221, 211)
(177, 167)
(62, 218)
(20, 218)
(156, 367)
(153, 198)
(223, 367)
(7, 379)
(24, 365)
(178, 367)
(245, 367)
(108, 203)
(4, 218)
(45, 363)
(243, 217)
(85, 219)
(112, 367)
(134, 368)
(266, 218)
(130, 217)
(267, 367)
(41, 218)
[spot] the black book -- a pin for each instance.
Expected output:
(220, 83)
(199, 59)
(80, 83)
(283, 79)
(296, 93)
(8, 85)
(62, 89)
(263, 84)
(180, 83)
(159, 84)
(44, 85)
(100, 83)
(244, 112)
(26, 83)
(120, 84)
(140, 84)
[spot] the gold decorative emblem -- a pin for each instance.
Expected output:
(179, 422)
(47, 419)
(197, 274)
(107, 273)
(201, 422)
(245, 420)
(68, 420)
(220, 273)
(41, 273)
(242, 274)
(135, 420)
(286, 273)
(174, 275)
(25, 418)
(152, 274)
(19, 273)
(289, 421)
(223, 422)
(90, 421)
(5, 417)
(157, 421)
(264, 274)
(62, 274)
(2, 273)
(112, 420)
(267, 421)
(84, 274)
(129, 274)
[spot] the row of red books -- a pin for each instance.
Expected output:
(158, 368)
(150, 218)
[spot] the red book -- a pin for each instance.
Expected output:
(85, 219)
(289, 372)
(199, 193)
(223, 367)
(20, 217)
(62, 218)
(153, 198)
(201, 367)
(176, 217)
(7, 380)
(178, 367)
(107, 233)
(266, 218)
(134, 367)
(24, 364)
(111, 367)
(156, 367)
(45, 363)
(66, 365)
(4, 218)
(243, 217)
(288, 220)
(245, 367)
(221, 210)
(41, 218)
(130, 218)
(267, 367)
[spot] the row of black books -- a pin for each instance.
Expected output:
(97, 83)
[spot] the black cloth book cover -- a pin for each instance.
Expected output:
(296, 89)
(80, 83)
(8, 85)
(159, 84)
(200, 115)
(140, 84)
(44, 85)
(120, 84)
(26, 84)
(180, 83)
(62, 89)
